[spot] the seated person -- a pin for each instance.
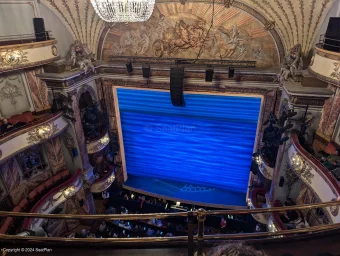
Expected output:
(102, 230)
(6, 126)
(83, 234)
(150, 232)
(331, 161)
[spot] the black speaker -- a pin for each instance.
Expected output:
(146, 72)
(209, 73)
(176, 86)
(231, 72)
(129, 67)
(282, 180)
(332, 40)
(39, 30)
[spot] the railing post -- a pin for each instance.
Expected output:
(190, 233)
(200, 235)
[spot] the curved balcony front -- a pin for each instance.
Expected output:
(315, 176)
(32, 134)
(94, 146)
(54, 198)
(325, 65)
(256, 200)
(103, 183)
(265, 168)
(25, 51)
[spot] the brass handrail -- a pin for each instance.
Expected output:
(177, 238)
(148, 216)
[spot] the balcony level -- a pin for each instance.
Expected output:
(25, 51)
(325, 62)
(35, 131)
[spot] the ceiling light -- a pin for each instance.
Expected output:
(123, 10)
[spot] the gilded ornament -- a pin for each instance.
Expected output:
(269, 25)
(42, 132)
(228, 3)
(334, 209)
(336, 73)
(12, 58)
(54, 50)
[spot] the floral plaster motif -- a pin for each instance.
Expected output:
(55, 154)
(38, 89)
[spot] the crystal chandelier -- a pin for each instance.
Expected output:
(123, 10)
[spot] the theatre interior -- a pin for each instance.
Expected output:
(170, 127)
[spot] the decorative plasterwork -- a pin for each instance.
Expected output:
(334, 209)
(26, 55)
(51, 201)
(104, 183)
(10, 91)
(304, 170)
(97, 145)
(32, 135)
(12, 58)
(265, 169)
(42, 132)
(326, 66)
(314, 175)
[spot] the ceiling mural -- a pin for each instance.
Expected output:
(183, 31)
(296, 21)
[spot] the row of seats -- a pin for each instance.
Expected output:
(32, 196)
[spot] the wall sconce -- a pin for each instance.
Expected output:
(111, 179)
(296, 161)
(69, 192)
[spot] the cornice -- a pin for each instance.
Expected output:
(26, 46)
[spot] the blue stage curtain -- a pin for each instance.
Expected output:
(208, 142)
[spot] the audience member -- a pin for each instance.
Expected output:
(235, 249)
(6, 126)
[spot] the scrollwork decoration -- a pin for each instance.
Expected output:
(12, 58)
(42, 132)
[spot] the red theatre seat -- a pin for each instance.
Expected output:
(48, 183)
(23, 203)
(32, 195)
(65, 174)
(17, 209)
(57, 178)
(25, 117)
(6, 225)
(40, 188)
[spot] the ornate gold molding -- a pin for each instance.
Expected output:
(29, 65)
(26, 46)
(12, 58)
(42, 132)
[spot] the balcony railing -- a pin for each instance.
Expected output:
(198, 216)
(26, 38)
(329, 44)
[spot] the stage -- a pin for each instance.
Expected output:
(201, 152)
(186, 193)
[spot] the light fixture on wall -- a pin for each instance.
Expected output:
(123, 10)
(69, 192)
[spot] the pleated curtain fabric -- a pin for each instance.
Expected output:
(208, 142)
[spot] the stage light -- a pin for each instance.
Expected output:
(129, 67)
(132, 196)
(146, 71)
(178, 204)
(209, 73)
(231, 72)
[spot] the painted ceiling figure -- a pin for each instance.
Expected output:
(292, 64)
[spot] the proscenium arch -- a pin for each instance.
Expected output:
(236, 4)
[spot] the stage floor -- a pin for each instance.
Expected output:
(186, 193)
